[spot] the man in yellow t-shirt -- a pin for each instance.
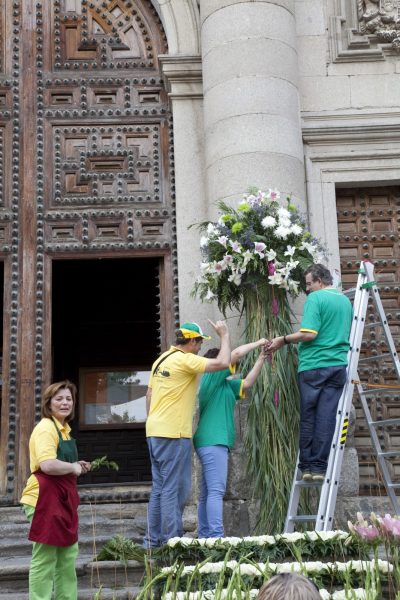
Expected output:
(170, 402)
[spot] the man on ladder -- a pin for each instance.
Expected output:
(323, 350)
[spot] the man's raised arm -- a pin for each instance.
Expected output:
(223, 359)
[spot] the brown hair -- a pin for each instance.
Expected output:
(51, 391)
(289, 586)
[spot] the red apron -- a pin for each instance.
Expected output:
(55, 521)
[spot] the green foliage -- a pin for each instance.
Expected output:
(122, 549)
(97, 463)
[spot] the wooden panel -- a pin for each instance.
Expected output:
(368, 223)
(86, 169)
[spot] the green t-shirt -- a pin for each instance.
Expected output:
(328, 313)
(217, 399)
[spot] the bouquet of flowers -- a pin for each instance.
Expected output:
(259, 243)
(254, 258)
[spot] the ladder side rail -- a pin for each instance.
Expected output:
(294, 500)
(378, 449)
(329, 490)
(386, 329)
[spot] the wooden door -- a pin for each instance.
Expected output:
(368, 222)
(86, 170)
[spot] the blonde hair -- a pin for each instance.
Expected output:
(51, 391)
(289, 586)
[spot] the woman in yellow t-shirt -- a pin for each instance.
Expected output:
(50, 498)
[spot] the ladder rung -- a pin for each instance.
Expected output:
(303, 518)
(392, 454)
(385, 423)
(394, 486)
(377, 357)
(350, 293)
(374, 324)
(378, 390)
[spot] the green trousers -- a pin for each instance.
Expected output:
(52, 566)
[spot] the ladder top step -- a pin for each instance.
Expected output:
(302, 483)
(394, 486)
(303, 518)
(385, 423)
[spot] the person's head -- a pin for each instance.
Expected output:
(289, 586)
(211, 353)
(191, 337)
(59, 401)
(317, 277)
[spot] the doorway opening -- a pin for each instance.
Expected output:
(105, 323)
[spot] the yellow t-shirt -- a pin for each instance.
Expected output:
(174, 386)
(43, 445)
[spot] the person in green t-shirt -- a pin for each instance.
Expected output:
(323, 341)
(215, 433)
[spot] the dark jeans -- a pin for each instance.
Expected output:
(320, 391)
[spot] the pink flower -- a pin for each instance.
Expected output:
(271, 267)
(276, 398)
(389, 525)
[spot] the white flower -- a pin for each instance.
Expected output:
(247, 257)
(282, 232)
(204, 268)
(283, 214)
(203, 241)
(268, 222)
(276, 279)
(296, 229)
(211, 230)
(259, 248)
(210, 295)
(271, 255)
(235, 278)
(290, 251)
(293, 286)
(228, 259)
(236, 247)
(223, 240)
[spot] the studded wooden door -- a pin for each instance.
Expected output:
(85, 171)
(368, 222)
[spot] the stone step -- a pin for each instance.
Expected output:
(92, 575)
(97, 524)
(104, 593)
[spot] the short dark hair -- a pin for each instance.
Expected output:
(320, 272)
(212, 353)
(182, 341)
(289, 586)
(51, 391)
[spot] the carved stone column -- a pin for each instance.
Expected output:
(251, 97)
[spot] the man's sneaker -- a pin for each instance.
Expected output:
(307, 476)
(318, 477)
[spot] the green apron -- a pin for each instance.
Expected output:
(67, 450)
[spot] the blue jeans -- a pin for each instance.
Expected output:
(171, 471)
(320, 391)
(214, 463)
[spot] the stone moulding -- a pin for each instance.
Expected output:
(364, 30)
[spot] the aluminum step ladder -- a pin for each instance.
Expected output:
(365, 289)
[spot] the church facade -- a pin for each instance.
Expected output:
(122, 123)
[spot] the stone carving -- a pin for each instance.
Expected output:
(382, 19)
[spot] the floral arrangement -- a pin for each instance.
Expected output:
(258, 243)
(254, 258)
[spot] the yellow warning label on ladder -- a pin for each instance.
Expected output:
(343, 435)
